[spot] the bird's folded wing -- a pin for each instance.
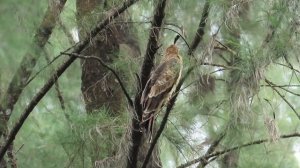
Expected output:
(159, 85)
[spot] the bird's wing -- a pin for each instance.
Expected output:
(159, 85)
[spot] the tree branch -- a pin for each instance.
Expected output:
(210, 150)
(58, 73)
(283, 98)
(200, 31)
(56, 84)
(218, 153)
(109, 68)
(283, 88)
(152, 46)
(165, 118)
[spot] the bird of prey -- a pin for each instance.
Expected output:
(160, 86)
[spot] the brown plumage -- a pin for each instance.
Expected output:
(160, 86)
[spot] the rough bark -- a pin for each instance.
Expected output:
(99, 86)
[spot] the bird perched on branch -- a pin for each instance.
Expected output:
(160, 86)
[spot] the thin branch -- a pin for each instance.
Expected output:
(218, 153)
(148, 63)
(218, 65)
(182, 37)
(21, 76)
(283, 98)
(287, 66)
(281, 86)
(186, 141)
(107, 67)
(66, 32)
(211, 149)
(174, 25)
(36, 99)
(222, 46)
(57, 89)
(46, 66)
(296, 94)
(177, 146)
(200, 32)
(165, 118)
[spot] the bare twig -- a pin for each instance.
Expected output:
(46, 66)
(282, 86)
(165, 118)
(109, 68)
(177, 146)
(210, 150)
(182, 37)
(58, 92)
(218, 65)
(283, 98)
(288, 66)
(218, 153)
(36, 99)
(200, 31)
(66, 32)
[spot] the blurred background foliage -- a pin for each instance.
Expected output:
(52, 137)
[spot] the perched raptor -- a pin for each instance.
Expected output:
(160, 86)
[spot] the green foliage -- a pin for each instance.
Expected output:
(239, 105)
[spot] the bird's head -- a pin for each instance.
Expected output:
(172, 52)
(172, 49)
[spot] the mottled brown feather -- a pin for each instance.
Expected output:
(160, 86)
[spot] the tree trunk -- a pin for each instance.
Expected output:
(100, 89)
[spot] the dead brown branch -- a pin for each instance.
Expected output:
(210, 150)
(57, 89)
